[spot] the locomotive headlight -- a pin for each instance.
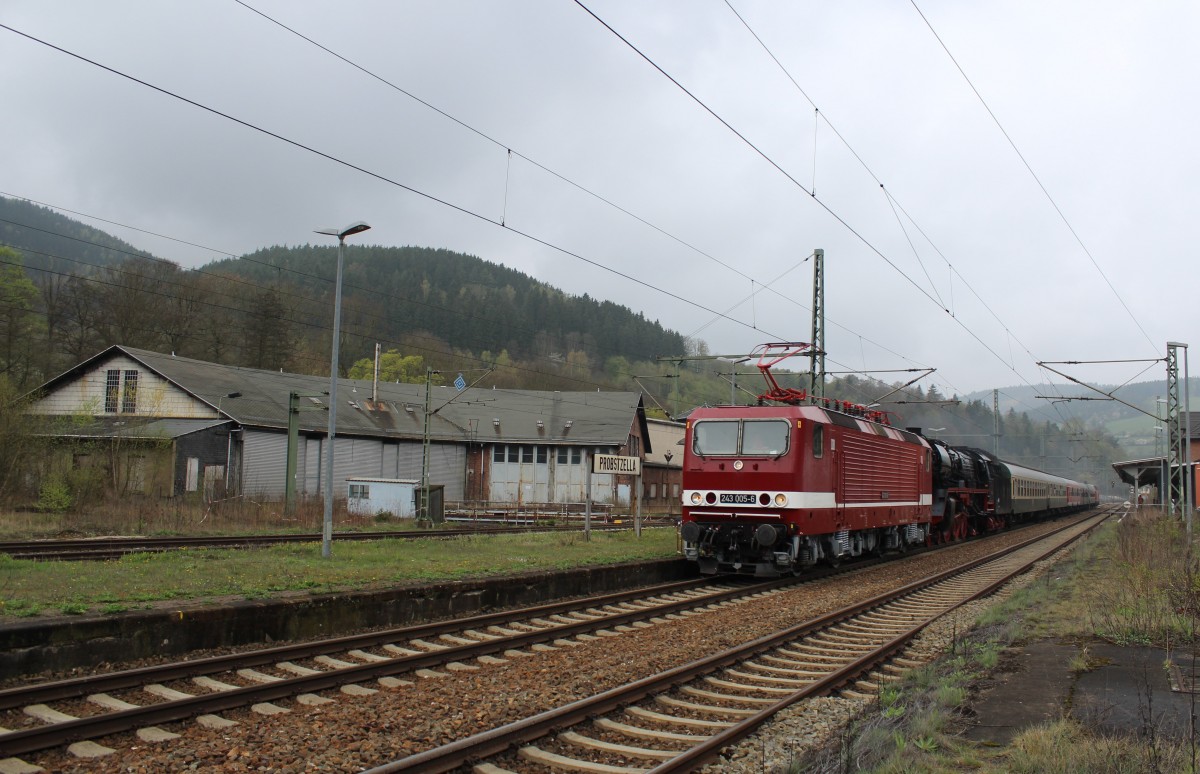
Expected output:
(696, 498)
(780, 500)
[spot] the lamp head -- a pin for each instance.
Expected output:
(353, 228)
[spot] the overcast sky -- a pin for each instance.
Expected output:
(942, 249)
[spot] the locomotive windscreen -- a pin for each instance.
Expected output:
(715, 437)
(749, 437)
(769, 437)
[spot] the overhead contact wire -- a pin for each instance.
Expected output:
(363, 170)
(1033, 174)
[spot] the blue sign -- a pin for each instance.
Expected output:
(460, 383)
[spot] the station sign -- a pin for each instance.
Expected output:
(614, 463)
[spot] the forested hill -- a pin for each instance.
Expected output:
(468, 302)
(71, 290)
(49, 241)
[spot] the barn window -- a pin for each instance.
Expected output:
(542, 453)
(564, 455)
(527, 453)
(576, 456)
(634, 446)
(192, 477)
(112, 388)
(498, 453)
(129, 398)
(653, 491)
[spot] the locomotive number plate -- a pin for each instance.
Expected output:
(738, 499)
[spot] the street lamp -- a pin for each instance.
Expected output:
(327, 527)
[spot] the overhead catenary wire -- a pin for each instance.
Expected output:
(510, 152)
(376, 175)
(1062, 215)
(373, 174)
(447, 204)
(893, 203)
(774, 164)
(370, 173)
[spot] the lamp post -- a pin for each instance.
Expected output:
(327, 526)
(424, 510)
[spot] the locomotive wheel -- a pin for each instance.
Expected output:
(961, 526)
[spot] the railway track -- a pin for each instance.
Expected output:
(101, 549)
(205, 687)
(679, 719)
(395, 663)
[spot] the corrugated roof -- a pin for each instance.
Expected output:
(136, 428)
(485, 415)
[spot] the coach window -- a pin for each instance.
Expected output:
(818, 440)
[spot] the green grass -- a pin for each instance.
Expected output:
(1065, 747)
(174, 518)
(27, 588)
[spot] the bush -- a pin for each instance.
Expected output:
(55, 495)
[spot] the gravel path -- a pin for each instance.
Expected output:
(356, 732)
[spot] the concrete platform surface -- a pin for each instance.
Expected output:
(1132, 693)
(1129, 692)
(1036, 692)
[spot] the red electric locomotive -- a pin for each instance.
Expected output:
(771, 489)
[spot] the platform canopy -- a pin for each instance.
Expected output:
(1143, 472)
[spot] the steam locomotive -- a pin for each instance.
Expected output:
(771, 489)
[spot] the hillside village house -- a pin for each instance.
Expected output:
(167, 426)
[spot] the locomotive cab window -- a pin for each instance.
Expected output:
(765, 437)
(715, 438)
(818, 440)
(749, 437)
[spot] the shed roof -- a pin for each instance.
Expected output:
(255, 397)
(136, 428)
